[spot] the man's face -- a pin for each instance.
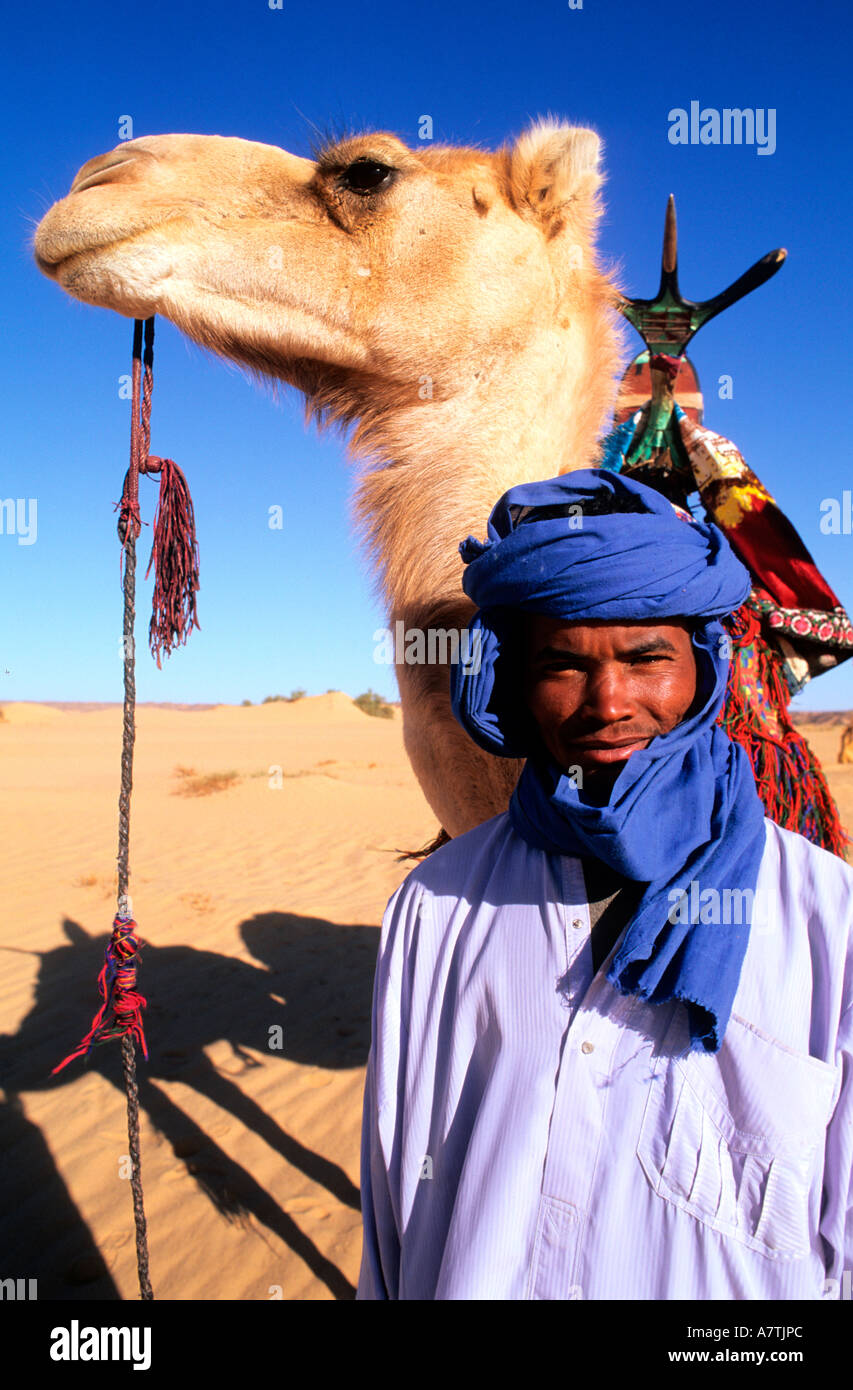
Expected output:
(599, 691)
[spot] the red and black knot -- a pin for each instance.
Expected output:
(121, 1011)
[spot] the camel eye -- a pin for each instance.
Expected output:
(366, 176)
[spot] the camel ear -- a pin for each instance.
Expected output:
(553, 165)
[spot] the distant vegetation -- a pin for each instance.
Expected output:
(371, 703)
(368, 703)
(191, 784)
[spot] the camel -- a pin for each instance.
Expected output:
(446, 301)
(845, 751)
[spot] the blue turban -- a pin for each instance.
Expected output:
(597, 546)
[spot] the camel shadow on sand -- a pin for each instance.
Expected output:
(324, 972)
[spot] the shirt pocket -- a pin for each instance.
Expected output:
(736, 1138)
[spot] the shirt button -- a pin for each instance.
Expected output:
(587, 1047)
(578, 922)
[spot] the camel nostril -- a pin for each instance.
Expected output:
(89, 176)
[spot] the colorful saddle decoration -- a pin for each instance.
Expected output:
(791, 627)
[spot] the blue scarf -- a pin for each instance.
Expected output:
(594, 545)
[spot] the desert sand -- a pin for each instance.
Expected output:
(260, 903)
(264, 846)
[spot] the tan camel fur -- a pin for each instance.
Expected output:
(845, 752)
(445, 301)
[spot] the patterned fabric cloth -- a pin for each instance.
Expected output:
(794, 600)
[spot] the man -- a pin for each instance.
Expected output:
(612, 1047)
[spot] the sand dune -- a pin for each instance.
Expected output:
(263, 851)
(28, 713)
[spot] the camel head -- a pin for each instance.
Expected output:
(441, 297)
(374, 270)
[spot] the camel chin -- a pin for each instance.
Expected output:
(90, 277)
(103, 265)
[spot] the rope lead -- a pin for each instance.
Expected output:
(174, 554)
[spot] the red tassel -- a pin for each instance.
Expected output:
(174, 555)
(174, 552)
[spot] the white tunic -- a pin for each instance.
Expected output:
(529, 1132)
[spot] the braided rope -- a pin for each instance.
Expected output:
(120, 1015)
(140, 432)
(174, 555)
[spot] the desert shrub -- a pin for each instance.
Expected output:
(371, 703)
(191, 784)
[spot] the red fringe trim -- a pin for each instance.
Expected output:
(789, 778)
(174, 555)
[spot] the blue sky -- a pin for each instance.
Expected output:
(296, 609)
